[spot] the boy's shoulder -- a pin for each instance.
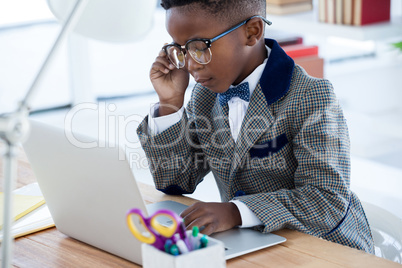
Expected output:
(306, 89)
(303, 82)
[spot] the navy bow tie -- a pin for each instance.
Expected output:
(242, 91)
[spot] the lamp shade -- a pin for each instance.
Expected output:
(109, 20)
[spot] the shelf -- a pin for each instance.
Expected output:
(307, 23)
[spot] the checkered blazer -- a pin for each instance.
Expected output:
(290, 164)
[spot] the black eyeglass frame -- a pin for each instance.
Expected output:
(208, 42)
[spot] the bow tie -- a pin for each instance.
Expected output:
(242, 91)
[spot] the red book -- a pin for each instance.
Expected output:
(290, 41)
(371, 11)
(297, 51)
(313, 65)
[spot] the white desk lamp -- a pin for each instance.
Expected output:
(105, 20)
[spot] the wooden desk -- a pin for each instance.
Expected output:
(50, 248)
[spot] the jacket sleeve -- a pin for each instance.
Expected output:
(176, 160)
(320, 199)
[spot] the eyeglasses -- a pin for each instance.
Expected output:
(199, 49)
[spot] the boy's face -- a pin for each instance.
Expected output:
(229, 54)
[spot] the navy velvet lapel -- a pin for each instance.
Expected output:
(276, 77)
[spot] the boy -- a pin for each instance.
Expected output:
(277, 144)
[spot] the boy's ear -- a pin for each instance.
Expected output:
(254, 31)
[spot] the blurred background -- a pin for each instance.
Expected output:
(360, 61)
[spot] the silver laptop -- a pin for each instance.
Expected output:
(89, 191)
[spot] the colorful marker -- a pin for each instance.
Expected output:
(168, 244)
(174, 250)
(194, 240)
(204, 241)
(182, 246)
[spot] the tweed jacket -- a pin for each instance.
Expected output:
(290, 164)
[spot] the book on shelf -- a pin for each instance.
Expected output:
(283, 9)
(354, 12)
(371, 11)
(297, 40)
(307, 57)
(284, 2)
(301, 50)
(322, 9)
(33, 214)
(313, 65)
(338, 11)
(285, 38)
(330, 12)
(347, 12)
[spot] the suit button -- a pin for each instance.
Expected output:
(239, 193)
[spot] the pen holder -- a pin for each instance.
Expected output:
(211, 256)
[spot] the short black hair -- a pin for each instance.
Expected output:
(229, 11)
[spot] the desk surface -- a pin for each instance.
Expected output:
(50, 248)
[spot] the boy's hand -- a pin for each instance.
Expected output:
(216, 217)
(170, 84)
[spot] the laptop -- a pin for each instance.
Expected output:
(89, 191)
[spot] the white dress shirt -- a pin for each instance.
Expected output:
(237, 111)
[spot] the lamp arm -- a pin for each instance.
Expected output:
(70, 23)
(14, 128)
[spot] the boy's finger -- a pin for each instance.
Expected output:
(166, 62)
(162, 53)
(158, 67)
(209, 229)
(201, 222)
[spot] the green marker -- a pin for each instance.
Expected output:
(174, 250)
(194, 241)
(196, 230)
(167, 246)
(204, 241)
